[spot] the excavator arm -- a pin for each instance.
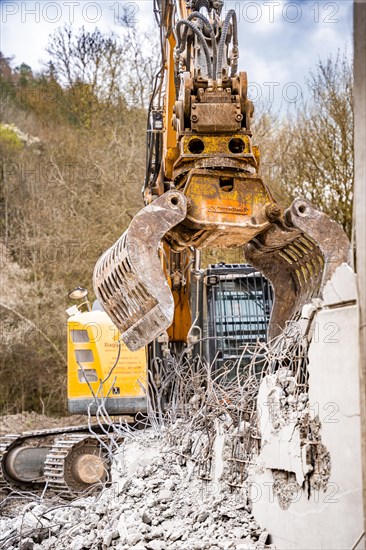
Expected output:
(203, 186)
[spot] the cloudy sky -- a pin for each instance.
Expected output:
(279, 40)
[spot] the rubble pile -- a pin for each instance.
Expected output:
(155, 502)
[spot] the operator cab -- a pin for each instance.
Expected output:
(237, 304)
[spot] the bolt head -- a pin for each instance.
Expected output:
(273, 212)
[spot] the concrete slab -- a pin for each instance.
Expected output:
(317, 519)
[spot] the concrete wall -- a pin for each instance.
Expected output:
(307, 489)
(359, 19)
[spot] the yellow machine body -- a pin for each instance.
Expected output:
(92, 351)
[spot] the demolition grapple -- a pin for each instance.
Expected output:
(203, 188)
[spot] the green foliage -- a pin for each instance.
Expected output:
(9, 139)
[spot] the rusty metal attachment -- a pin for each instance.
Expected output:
(129, 279)
(293, 262)
(207, 159)
(226, 209)
(298, 254)
(329, 235)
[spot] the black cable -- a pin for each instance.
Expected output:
(158, 157)
(151, 136)
(154, 149)
(157, 12)
(199, 4)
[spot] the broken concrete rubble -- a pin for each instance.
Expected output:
(152, 505)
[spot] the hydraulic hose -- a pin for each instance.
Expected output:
(199, 4)
(209, 28)
(201, 38)
(225, 29)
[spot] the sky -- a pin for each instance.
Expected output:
(280, 40)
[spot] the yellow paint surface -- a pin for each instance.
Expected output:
(103, 344)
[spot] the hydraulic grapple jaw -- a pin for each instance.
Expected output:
(298, 254)
(129, 280)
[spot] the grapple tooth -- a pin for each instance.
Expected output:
(298, 256)
(292, 282)
(327, 233)
(129, 279)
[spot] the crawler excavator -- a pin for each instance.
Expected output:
(155, 297)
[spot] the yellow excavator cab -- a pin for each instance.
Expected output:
(94, 355)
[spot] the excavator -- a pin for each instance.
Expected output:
(155, 295)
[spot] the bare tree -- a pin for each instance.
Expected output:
(144, 62)
(314, 156)
(90, 58)
(107, 66)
